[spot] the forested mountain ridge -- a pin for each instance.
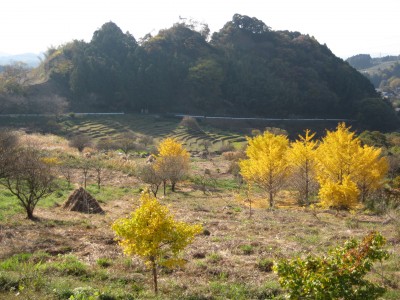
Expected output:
(245, 69)
(383, 72)
(365, 61)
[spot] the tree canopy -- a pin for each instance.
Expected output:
(153, 234)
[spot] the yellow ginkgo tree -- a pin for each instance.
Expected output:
(347, 171)
(267, 164)
(371, 172)
(302, 159)
(172, 161)
(152, 233)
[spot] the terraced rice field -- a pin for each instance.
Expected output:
(101, 127)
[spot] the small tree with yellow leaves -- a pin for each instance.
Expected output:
(152, 233)
(267, 164)
(347, 170)
(371, 172)
(301, 157)
(172, 162)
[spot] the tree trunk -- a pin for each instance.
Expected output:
(307, 186)
(29, 213)
(307, 192)
(165, 183)
(173, 186)
(250, 207)
(99, 180)
(155, 190)
(154, 269)
(271, 200)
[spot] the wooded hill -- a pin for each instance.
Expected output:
(384, 72)
(245, 69)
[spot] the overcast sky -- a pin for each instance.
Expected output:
(347, 27)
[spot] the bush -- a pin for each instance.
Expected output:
(247, 249)
(226, 147)
(338, 275)
(190, 123)
(234, 155)
(67, 265)
(265, 265)
(8, 283)
(14, 262)
(103, 262)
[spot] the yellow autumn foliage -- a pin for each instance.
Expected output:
(372, 170)
(349, 169)
(302, 160)
(51, 161)
(339, 194)
(171, 147)
(266, 164)
(152, 233)
(172, 161)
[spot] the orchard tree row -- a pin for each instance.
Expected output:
(345, 171)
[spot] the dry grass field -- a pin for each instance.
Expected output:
(71, 255)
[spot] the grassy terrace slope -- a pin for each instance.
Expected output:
(159, 128)
(113, 126)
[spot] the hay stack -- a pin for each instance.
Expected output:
(80, 200)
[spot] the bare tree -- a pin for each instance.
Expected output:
(148, 174)
(85, 165)
(106, 145)
(80, 142)
(172, 168)
(190, 123)
(30, 179)
(99, 167)
(146, 140)
(66, 168)
(127, 143)
(205, 181)
(206, 144)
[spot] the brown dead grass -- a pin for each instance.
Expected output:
(286, 231)
(48, 142)
(272, 234)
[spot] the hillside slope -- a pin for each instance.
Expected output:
(245, 69)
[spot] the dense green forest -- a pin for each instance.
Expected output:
(244, 69)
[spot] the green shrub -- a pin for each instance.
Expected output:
(67, 265)
(337, 275)
(13, 263)
(214, 257)
(247, 249)
(265, 265)
(103, 262)
(8, 282)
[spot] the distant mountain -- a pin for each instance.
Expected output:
(383, 72)
(369, 64)
(31, 59)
